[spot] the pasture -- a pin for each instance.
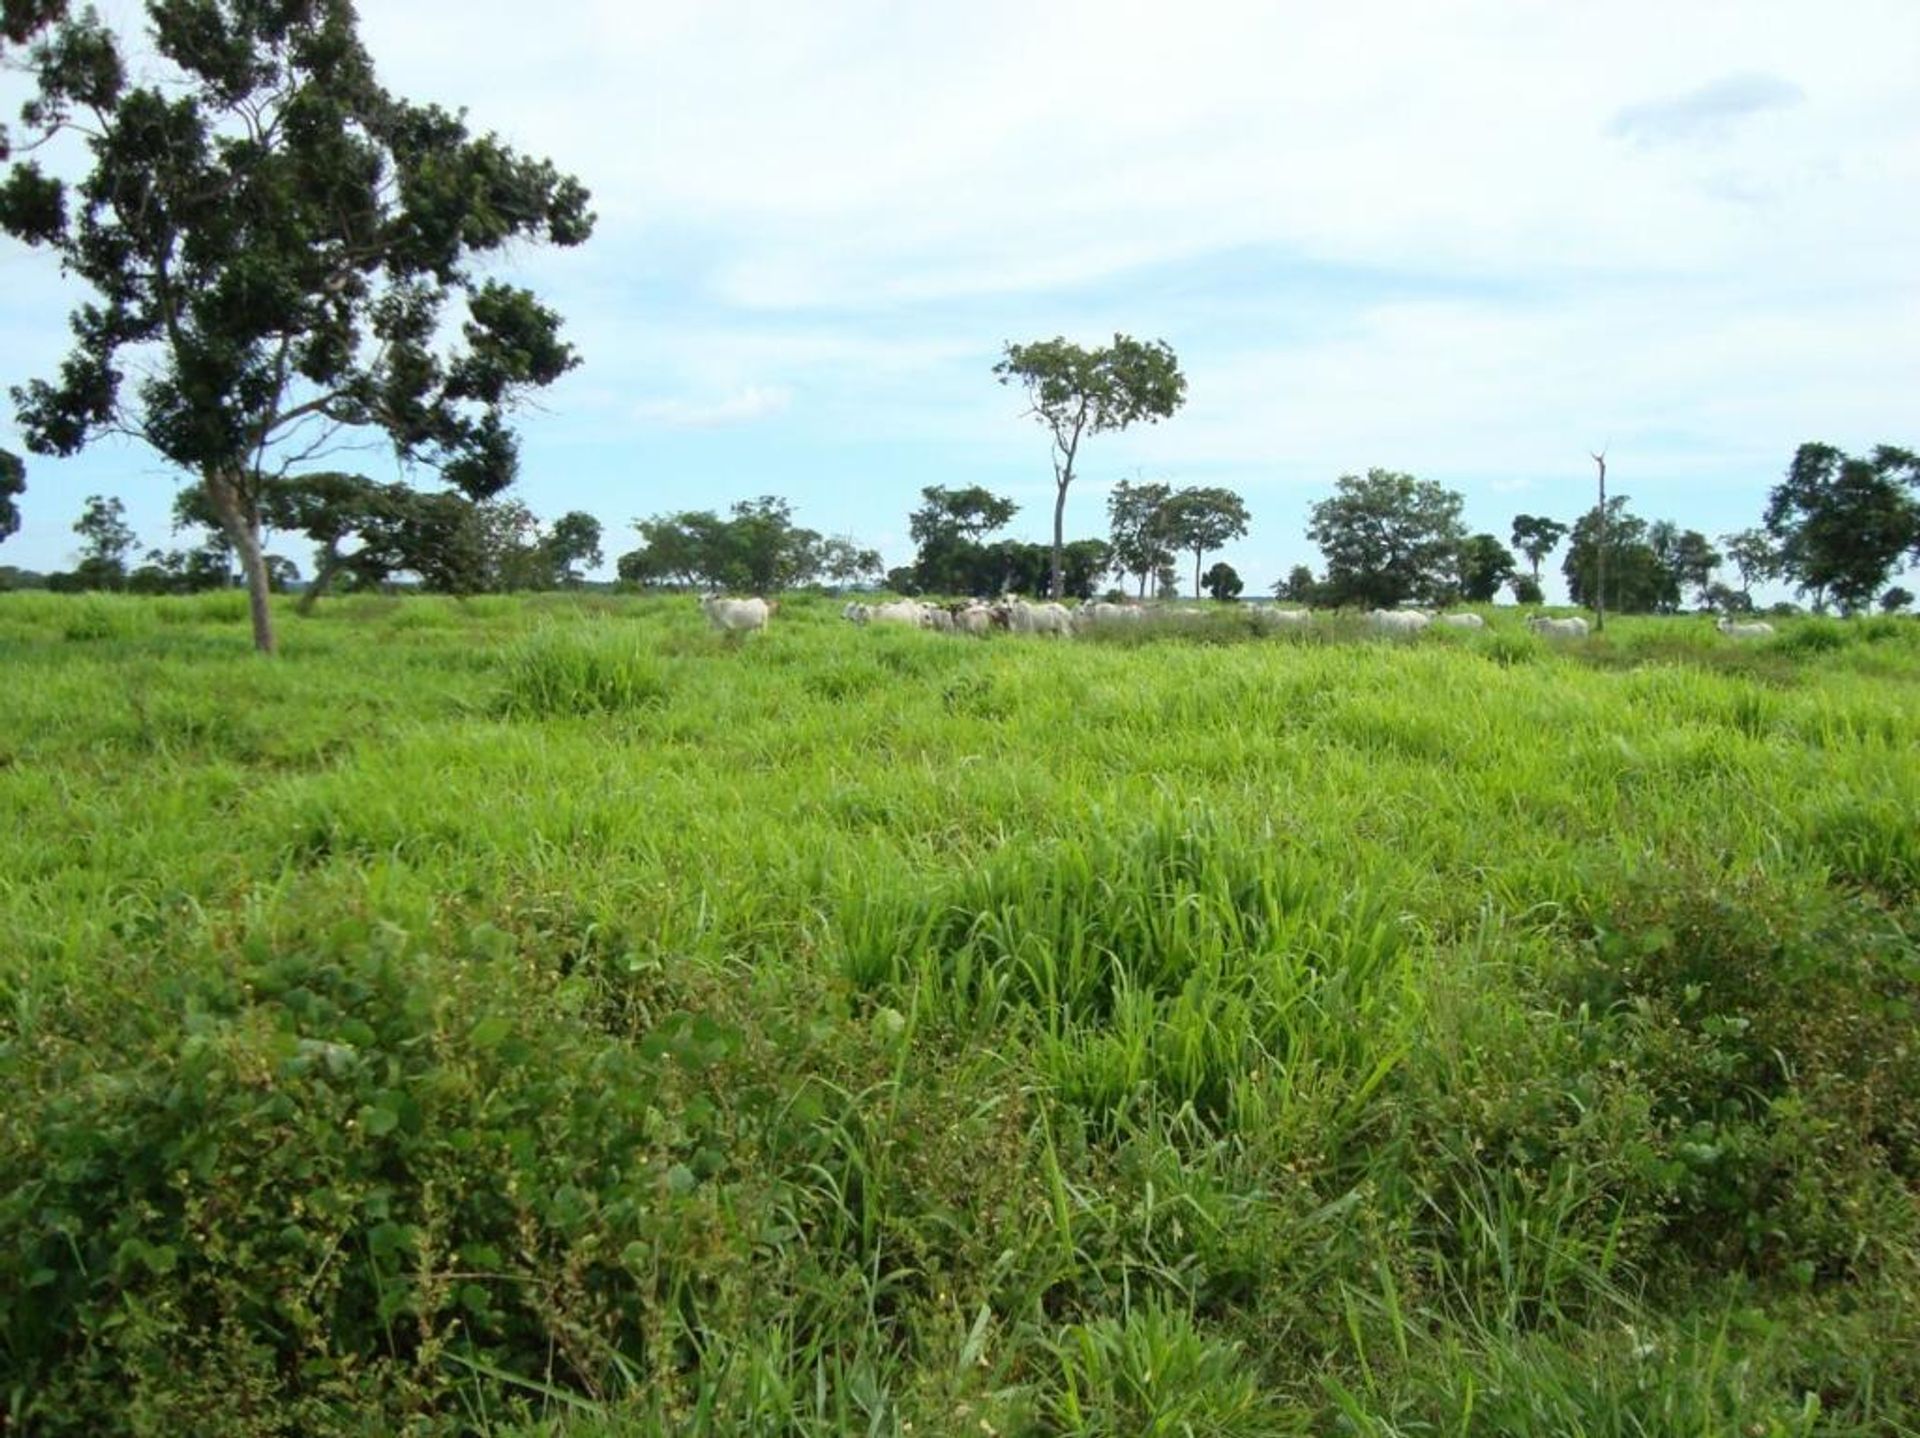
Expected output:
(554, 1017)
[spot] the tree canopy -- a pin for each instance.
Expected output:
(1843, 523)
(1536, 537)
(1136, 515)
(1201, 519)
(1077, 392)
(1387, 538)
(13, 483)
(1485, 564)
(272, 240)
(757, 549)
(1637, 582)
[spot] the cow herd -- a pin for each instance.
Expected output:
(1019, 616)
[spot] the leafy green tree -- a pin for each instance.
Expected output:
(1387, 538)
(272, 240)
(13, 483)
(1136, 515)
(1689, 559)
(572, 543)
(1751, 552)
(1895, 600)
(844, 563)
(1201, 519)
(1637, 581)
(676, 549)
(1484, 565)
(757, 549)
(1527, 590)
(1299, 587)
(1223, 581)
(107, 540)
(1536, 537)
(1079, 392)
(1842, 523)
(969, 514)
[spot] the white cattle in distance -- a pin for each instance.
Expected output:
(1753, 629)
(1462, 621)
(1023, 618)
(974, 619)
(1101, 613)
(909, 612)
(1399, 621)
(1572, 627)
(1270, 618)
(736, 616)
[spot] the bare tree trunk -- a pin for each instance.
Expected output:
(1600, 553)
(329, 566)
(1197, 554)
(1058, 588)
(243, 528)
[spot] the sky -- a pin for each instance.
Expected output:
(1472, 240)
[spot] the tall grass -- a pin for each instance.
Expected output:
(552, 1017)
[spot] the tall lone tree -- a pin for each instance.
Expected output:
(1078, 392)
(1536, 537)
(272, 240)
(1843, 523)
(1201, 519)
(1387, 538)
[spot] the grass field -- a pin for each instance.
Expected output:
(547, 1017)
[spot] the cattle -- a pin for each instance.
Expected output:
(974, 619)
(1100, 613)
(899, 611)
(736, 616)
(1754, 629)
(1024, 618)
(1398, 621)
(1270, 618)
(936, 618)
(856, 613)
(1462, 621)
(1572, 627)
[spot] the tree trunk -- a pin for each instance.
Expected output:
(1197, 554)
(243, 528)
(1059, 586)
(328, 567)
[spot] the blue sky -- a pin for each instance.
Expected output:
(1473, 241)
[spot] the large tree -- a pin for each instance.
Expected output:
(13, 483)
(1136, 516)
(1536, 537)
(272, 240)
(1484, 565)
(1843, 523)
(951, 528)
(107, 540)
(1078, 392)
(1752, 554)
(1636, 580)
(1688, 558)
(1387, 538)
(1201, 519)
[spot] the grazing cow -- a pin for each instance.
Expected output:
(856, 613)
(1755, 629)
(1099, 613)
(1572, 627)
(1462, 621)
(1398, 621)
(899, 611)
(972, 618)
(1270, 618)
(937, 618)
(1024, 618)
(736, 616)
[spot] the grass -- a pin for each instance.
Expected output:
(549, 1017)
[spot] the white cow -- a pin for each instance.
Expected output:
(1024, 618)
(1280, 618)
(1756, 629)
(1572, 627)
(1399, 621)
(909, 612)
(1100, 613)
(937, 618)
(736, 616)
(856, 613)
(1462, 621)
(973, 619)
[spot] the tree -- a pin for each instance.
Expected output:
(1895, 600)
(108, 541)
(1536, 537)
(1299, 587)
(1689, 559)
(1484, 565)
(1136, 518)
(969, 514)
(1223, 582)
(1078, 392)
(1527, 590)
(572, 543)
(1842, 524)
(757, 549)
(13, 482)
(1636, 581)
(844, 564)
(1387, 538)
(1751, 552)
(1201, 519)
(272, 239)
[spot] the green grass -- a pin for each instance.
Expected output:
(551, 1017)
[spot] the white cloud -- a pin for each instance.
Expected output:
(741, 407)
(1709, 112)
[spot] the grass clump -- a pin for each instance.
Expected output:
(559, 674)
